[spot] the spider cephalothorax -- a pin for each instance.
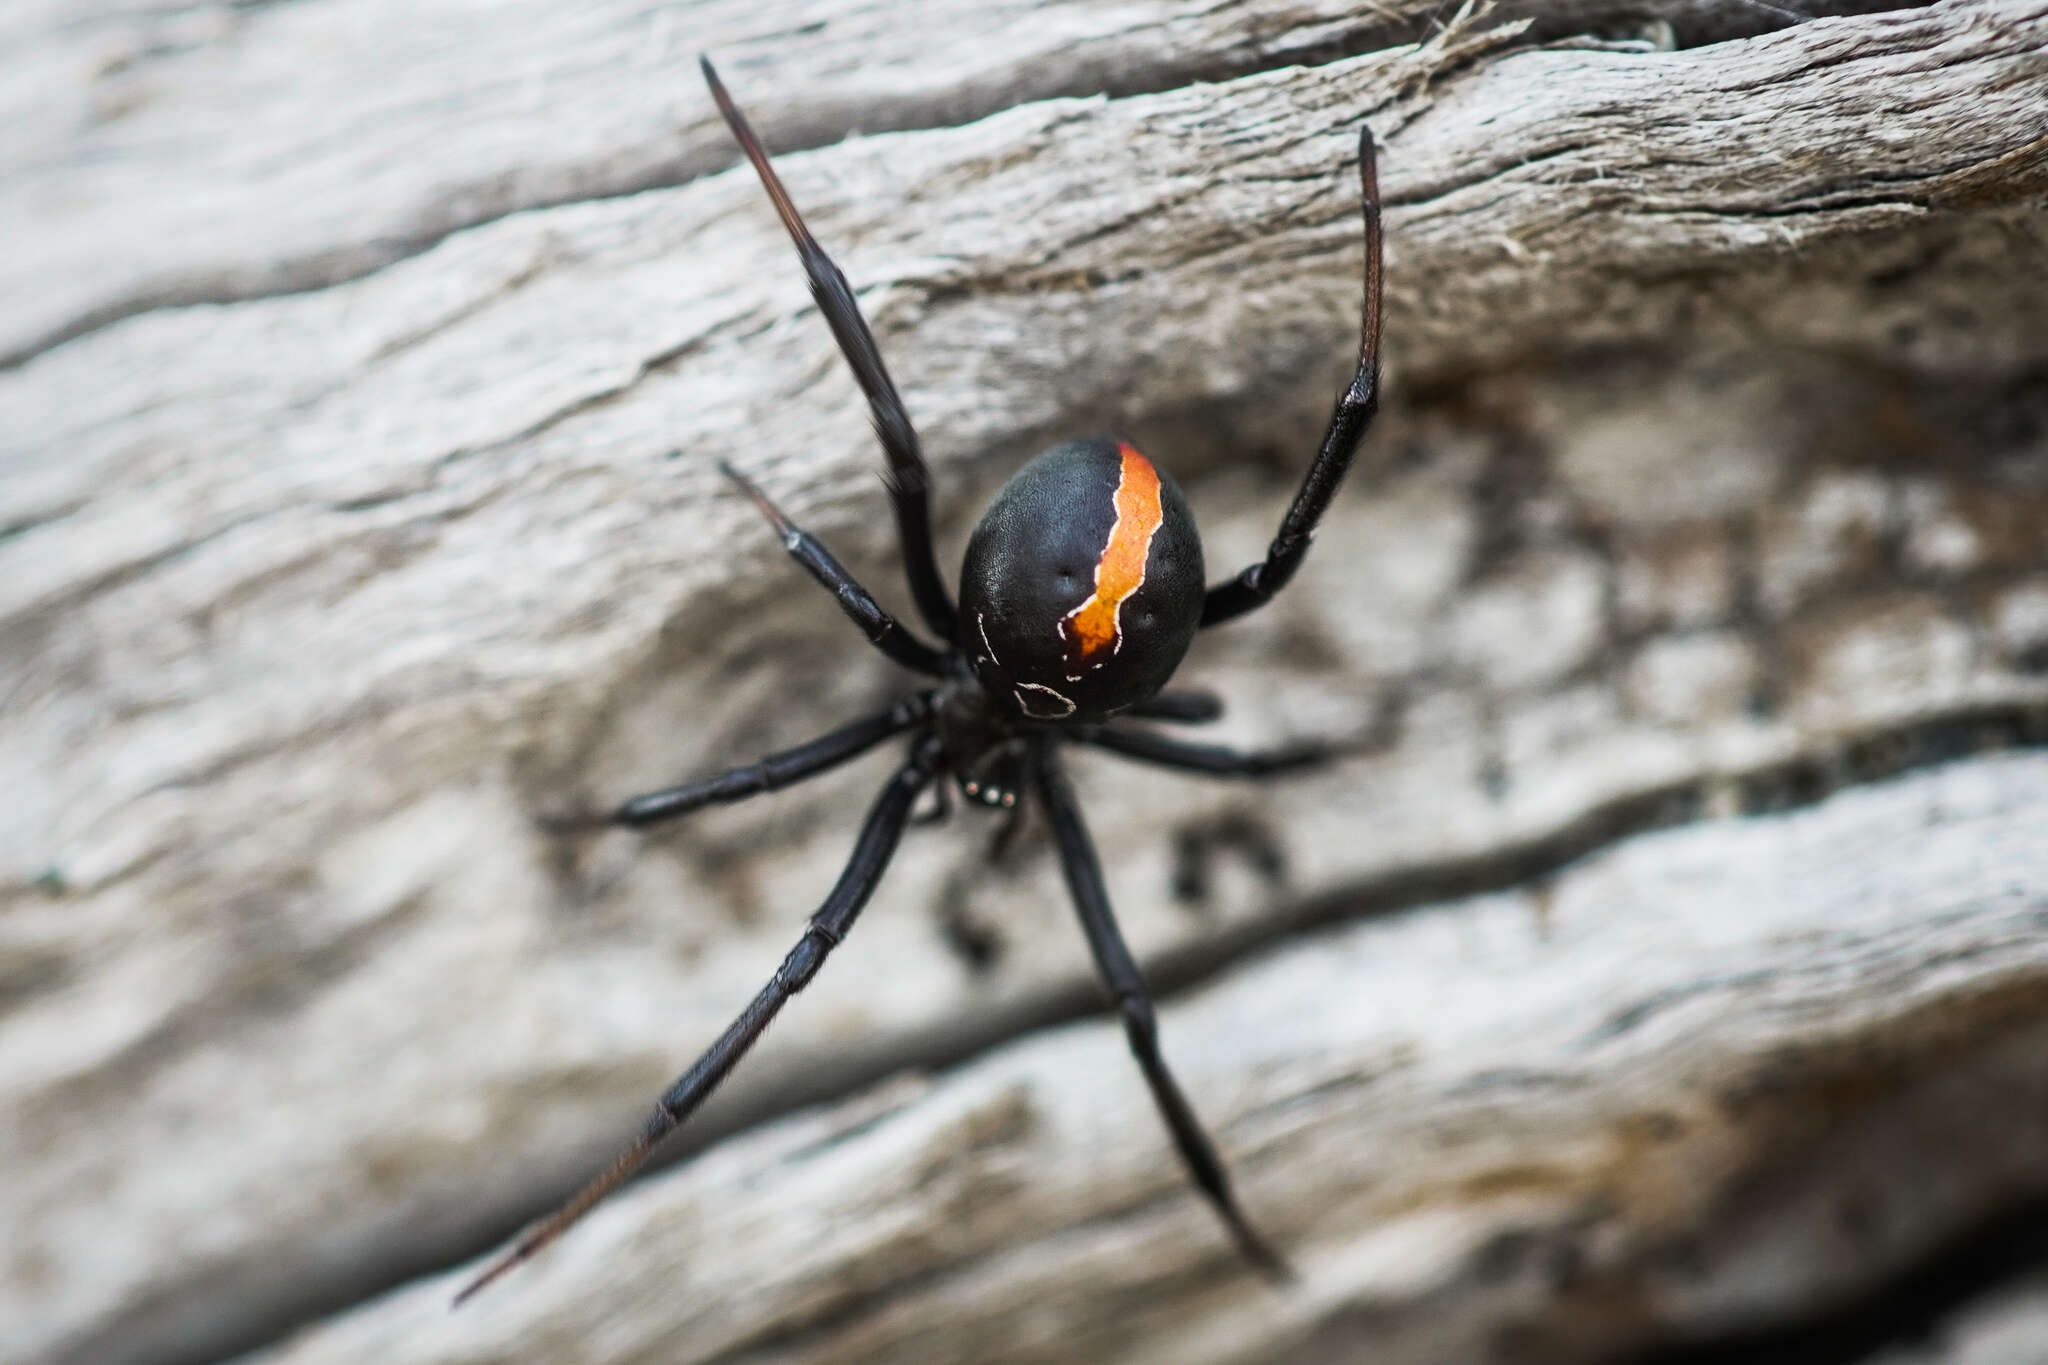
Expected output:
(1081, 590)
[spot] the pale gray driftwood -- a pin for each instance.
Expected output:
(1721, 491)
(209, 153)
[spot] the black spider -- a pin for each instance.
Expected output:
(1082, 588)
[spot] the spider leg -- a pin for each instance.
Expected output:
(1120, 974)
(1192, 708)
(908, 479)
(871, 854)
(857, 602)
(1353, 414)
(1216, 760)
(776, 770)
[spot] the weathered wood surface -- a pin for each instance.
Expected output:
(1672, 1092)
(207, 153)
(1716, 479)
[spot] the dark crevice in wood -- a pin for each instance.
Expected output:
(1903, 1312)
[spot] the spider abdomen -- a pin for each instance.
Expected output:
(1083, 585)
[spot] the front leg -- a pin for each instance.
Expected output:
(1354, 413)
(908, 478)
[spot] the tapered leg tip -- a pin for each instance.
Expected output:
(1278, 1270)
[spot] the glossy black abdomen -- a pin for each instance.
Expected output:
(1082, 587)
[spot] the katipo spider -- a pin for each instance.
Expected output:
(1081, 590)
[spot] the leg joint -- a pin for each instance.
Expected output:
(804, 960)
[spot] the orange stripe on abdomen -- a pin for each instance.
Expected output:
(1094, 630)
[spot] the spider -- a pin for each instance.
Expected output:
(1081, 589)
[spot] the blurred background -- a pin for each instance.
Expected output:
(1666, 978)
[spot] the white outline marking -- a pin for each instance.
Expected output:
(981, 625)
(1024, 702)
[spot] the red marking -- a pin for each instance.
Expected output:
(1094, 630)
